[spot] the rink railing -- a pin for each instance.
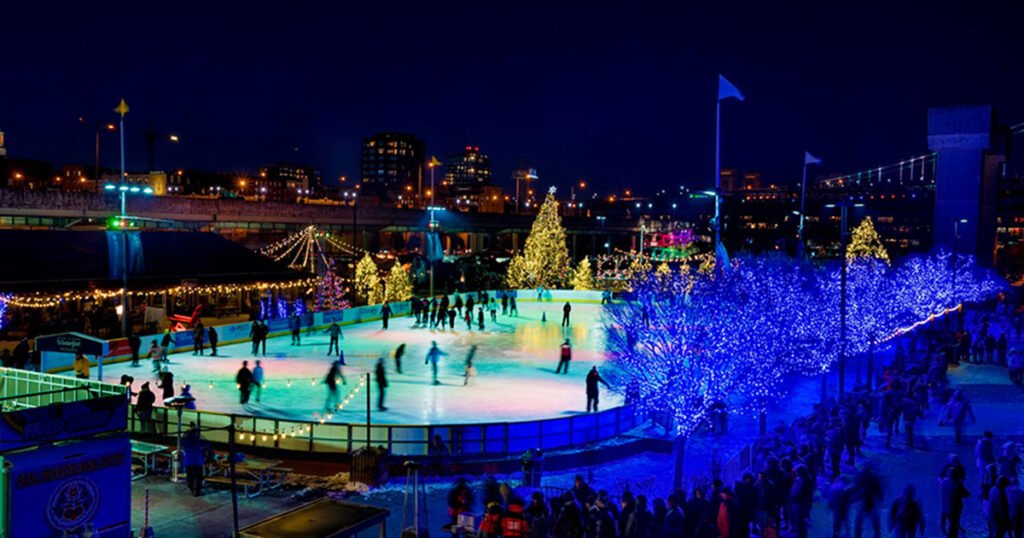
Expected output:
(465, 440)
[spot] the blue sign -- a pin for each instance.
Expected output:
(62, 421)
(56, 489)
(72, 343)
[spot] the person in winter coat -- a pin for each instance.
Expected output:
(212, 337)
(537, 516)
(166, 384)
(958, 412)
(746, 500)
(953, 493)
(600, 524)
(334, 331)
(460, 500)
(593, 391)
(868, 491)
(194, 447)
(434, 354)
(1015, 499)
(382, 384)
(490, 525)
(984, 452)
(839, 505)
(801, 497)
(680, 523)
(295, 324)
(134, 344)
(1009, 461)
(725, 520)
(244, 381)
(569, 522)
(399, 352)
(999, 509)
(514, 523)
(905, 516)
(385, 315)
(565, 355)
(198, 337)
(81, 366)
(144, 408)
(640, 522)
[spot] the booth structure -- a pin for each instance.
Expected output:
(58, 351)
(66, 457)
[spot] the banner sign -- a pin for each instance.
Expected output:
(62, 421)
(72, 343)
(63, 490)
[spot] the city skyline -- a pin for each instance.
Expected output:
(611, 97)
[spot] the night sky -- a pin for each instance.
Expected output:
(618, 96)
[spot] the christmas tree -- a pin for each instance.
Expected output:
(866, 243)
(639, 269)
(516, 276)
(663, 272)
(368, 286)
(329, 296)
(583, 276)
(546, 257)
(398, 286)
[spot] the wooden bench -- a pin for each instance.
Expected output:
(246, 484)
(278, 474)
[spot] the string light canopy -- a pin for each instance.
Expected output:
(47, 300)
(303, 249)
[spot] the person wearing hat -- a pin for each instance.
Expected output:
(144, 408)
(194, 446)
(186, 392)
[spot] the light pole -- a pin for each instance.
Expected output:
(843, 206)
(432, 225)
(808, 159)
(122, 109)
(952, 259)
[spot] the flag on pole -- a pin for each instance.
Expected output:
(434, 161)
(727, 90)
(122, 108)
(811, 159)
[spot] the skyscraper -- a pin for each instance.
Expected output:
(468, 171)
(392, 163)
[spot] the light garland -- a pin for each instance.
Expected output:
(41, 300)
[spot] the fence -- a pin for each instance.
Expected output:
(463, 440)
(22, 389)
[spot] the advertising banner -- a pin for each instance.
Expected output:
(68, 489)
(62, 421)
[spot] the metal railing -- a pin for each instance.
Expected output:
(462, 440)
(21, 389)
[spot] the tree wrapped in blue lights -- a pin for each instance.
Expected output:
(731, 339)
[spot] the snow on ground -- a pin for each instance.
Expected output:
(515, 360)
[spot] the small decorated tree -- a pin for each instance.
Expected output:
(546, 257)
(368, 286)
(866, 243)
(398, 285)
(330, 294)
(583, 276)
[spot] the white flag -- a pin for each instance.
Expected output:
(727, 90)
(811, 159)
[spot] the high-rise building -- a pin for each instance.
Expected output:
(523, 178)
(392, 163)
(287, 182)
(468, 171)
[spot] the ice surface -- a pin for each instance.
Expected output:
(515, 360)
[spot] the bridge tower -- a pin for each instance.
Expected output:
(969, 162)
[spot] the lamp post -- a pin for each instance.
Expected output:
(122, 109)
(952, 260)
(432, 225)
(843, 206)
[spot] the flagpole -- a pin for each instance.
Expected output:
(718, 171)
(803, 205)
(123, 190)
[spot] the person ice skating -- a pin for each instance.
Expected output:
(194, 447)
(565, 314)
(165, 344)
(480, 317)
(198, 338)
(155, 355)
(254, 334)
(341, 367)
(458, 303)
(264, 333)
(504, 303)
(331, 403)
(295, 324)
(469, 304)
(442, 311)
(470, 368)
(382, 383)
(244, 381)
(399, 351)
(564, 358)
(81, 366)
(335, 331)
(433, 313)
(469, 319)
(593, 391)
(513, 310)
(134, 344)
(434, 355)
(144, 408)
(385, 314)
(494, 310)
(211, 335)
(540, 293)
(257, 379)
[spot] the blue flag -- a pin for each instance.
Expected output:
(727, 90)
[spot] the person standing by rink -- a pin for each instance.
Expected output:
(512, 309)
(593, 391)
(480, 317)
(165, 344)
(213, 341)
(504, 303)
(198, 336)
(565, 314)
(134, 344)
(470, 369)
(244, 381)
(254, 333)
(155, 354)
(382, 384)
(493, 304)
(332, 388)
(434, 355)
(257, 379)
(564, 358)
(385, 314)
(295, 324)
(335, 331)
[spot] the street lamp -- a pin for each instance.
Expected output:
(843, 206)
(952, 260)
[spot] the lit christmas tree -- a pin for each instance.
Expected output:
(866, 243)
(367, 285)
(330, 294)
(398, 286)
(663, 271)
(639, 270)
(583, 276)
(546, 255)
(516, 276)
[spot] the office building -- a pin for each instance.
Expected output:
(392, 165)
(467, 171)
(287, 182)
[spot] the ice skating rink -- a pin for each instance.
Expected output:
(515, 360)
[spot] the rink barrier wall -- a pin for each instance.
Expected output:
(463, 440)
(235, 333)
